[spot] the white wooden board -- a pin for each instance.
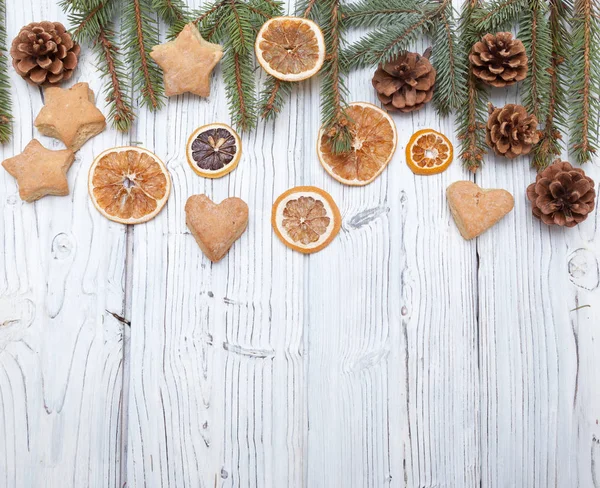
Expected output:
(400, 356)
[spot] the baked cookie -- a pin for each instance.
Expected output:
(187, 62)
(216, 227)
(474, 209)
(70, 115)
(40, 171)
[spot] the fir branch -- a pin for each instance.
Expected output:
(199, 18)
(386, 43)
(535, 35)
(382, 13)
(449, 63)
(141, 34)
(273, 97)
(5, 101)
(89, 22)
(583, 81)
(550, 144)
(116, 92)
(171, 11)
(471, 114)
(497, 15)
(333, 91)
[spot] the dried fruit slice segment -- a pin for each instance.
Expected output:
(306, 219)
(214, 150)
(290, 48)
(129, 184)
(428, 152)
(374, 141)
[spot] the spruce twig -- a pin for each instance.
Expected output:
(141, 34)
(498, 14)
(449, 63)
(121, 113)
(333, 90)
(171, 11)
(535, 35)
(386, 43)
(471, 115)
(555, 123)
(5, 101)
(584, 79)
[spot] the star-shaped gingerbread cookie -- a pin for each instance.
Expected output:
(40, 171)
(70, 115)
(187, 62)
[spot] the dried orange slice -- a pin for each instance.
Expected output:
(306, 219)
(214, 150)
(428, 152)
(374, 140)
(129, 184)
(290, 48)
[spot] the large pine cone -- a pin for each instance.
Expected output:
(499, 60)
(511, 131)
(44, 53)
(562, 195)
(405, 83)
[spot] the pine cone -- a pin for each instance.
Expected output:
(405, 83)
(44, 53)
(511, 131)
(499, 60)
(562, 195)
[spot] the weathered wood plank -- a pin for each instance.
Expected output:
(61, 350)
(539, 403)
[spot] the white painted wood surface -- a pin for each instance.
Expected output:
(400, 356)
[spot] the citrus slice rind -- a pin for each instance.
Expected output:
(428, 152)
(214, 150)
(374, 141)
(290, 48)
(128, 184)
(306, 219)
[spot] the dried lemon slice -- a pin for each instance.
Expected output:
(374, 140)
(428, 152)
(129, 184)
(214, 150)
(290, 48)
(306, 219)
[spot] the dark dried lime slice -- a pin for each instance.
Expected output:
(214, 149)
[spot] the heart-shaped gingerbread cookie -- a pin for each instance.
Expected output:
(474, 209)
(216, 227)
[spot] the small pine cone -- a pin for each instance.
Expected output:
(511, 131)
(562, 195)
(499, 60)
(406, 83)
(44, 53)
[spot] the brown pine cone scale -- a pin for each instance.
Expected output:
(44, 53)
(499, 60)
(511, 131)
(405, 83)
(562, 195)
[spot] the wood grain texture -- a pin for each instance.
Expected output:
(61, 349)
(400, 356)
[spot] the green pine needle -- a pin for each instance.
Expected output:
(584, 77)
(273, 97)
(535, 35)
(117, 91)
(550, 145)
(382, 13)
(5, 101)
(449, 62)
(471, 115)
(497, 15)
(89, 21)
(171, 11)
(140, 31)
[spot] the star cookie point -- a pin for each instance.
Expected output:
(40, 171)
(187, 62)
(70, 115)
